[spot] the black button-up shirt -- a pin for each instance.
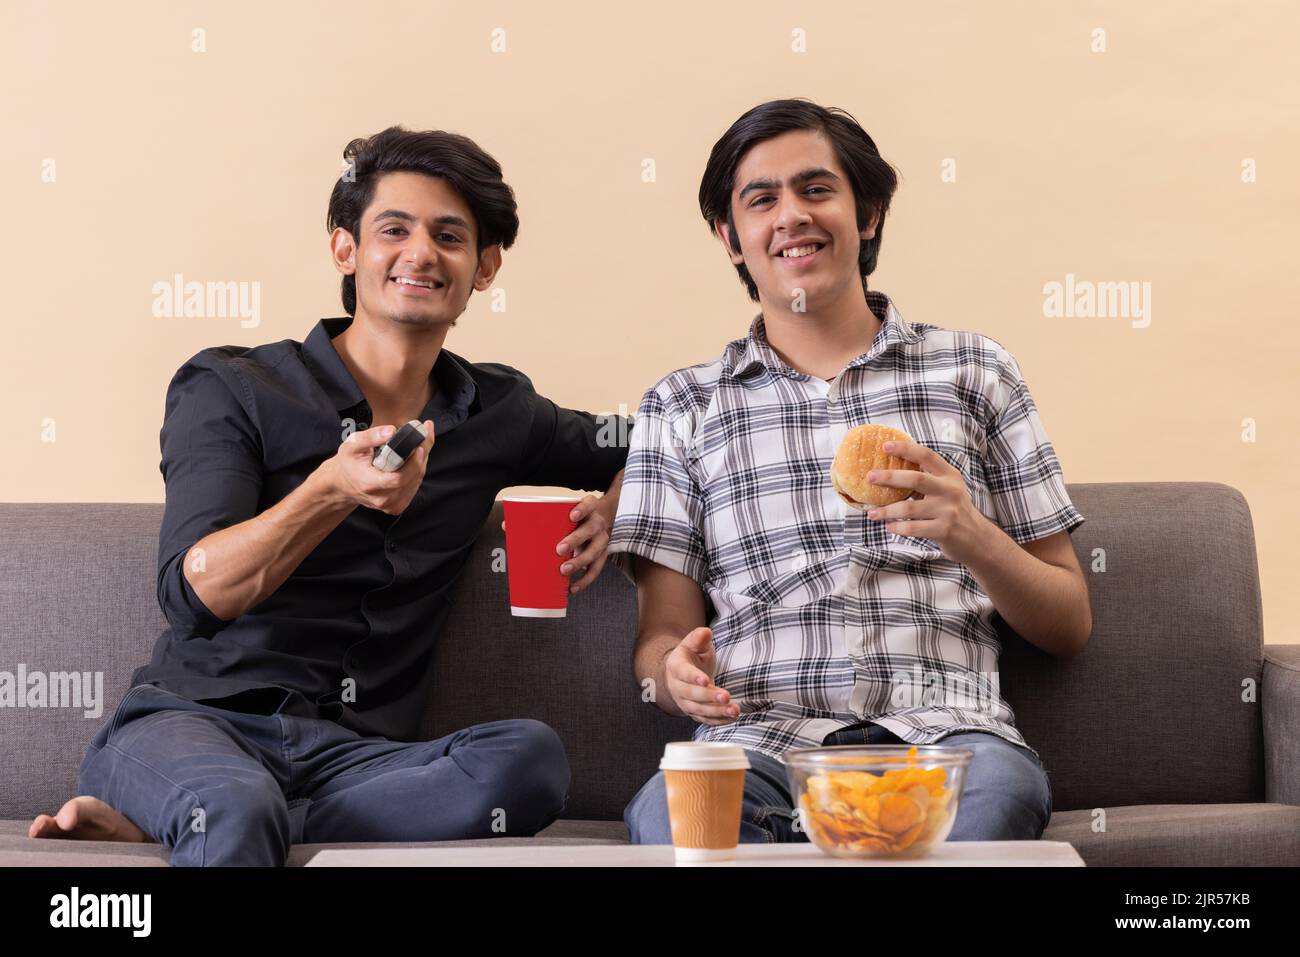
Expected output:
(244, 426)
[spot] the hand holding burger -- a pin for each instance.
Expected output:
(878, 469)
(862, 451)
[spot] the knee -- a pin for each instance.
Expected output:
(646, 815)
(540, 742)
(534, 779)
(1026, 782)
(1011, 791)
(542, 754)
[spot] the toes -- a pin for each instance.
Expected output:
(66, 819)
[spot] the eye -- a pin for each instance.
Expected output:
(391, 228)
(452, 236)
(810, 189)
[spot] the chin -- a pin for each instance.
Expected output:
(417, 318)
(812, 296)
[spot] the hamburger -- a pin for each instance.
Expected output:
(859, 454)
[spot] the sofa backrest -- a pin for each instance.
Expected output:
(1153, 710)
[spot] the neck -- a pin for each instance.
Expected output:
(391, 362)
(825, 339)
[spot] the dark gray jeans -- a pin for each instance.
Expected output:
(221, 786)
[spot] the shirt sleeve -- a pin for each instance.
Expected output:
(1024, 477)
(569, 448)
(661, 508)
(212, 469)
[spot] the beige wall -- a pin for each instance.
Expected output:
(1122, 165)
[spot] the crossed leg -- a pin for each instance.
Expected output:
(189, 780)
(498, 779)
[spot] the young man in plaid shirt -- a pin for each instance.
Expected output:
(831, 626)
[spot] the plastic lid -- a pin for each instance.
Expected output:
(541, 498)
(703, 756)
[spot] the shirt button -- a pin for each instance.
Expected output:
(392, 547)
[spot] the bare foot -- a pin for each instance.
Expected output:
(87, 819)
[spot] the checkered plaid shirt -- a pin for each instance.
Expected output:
(824, 618)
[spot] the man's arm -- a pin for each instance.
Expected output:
(217, 555)
(234, 569)
(1037, 587)
(570, 448)
(674, 647)
(577, 450)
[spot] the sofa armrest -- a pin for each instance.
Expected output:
(1280, 695)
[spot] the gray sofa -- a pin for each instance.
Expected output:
(1159, 753)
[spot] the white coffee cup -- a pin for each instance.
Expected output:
(705, 784)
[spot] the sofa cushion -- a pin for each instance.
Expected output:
(1163, 706)
(18, 850)
(1184, 835)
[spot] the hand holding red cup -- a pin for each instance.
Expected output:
(534, 524)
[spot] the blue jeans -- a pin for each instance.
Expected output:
(1007, 796)
(220, 786)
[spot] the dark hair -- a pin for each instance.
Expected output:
(873, 180)
(474, 174)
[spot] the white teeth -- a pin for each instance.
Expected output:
(799, 251)
(402, 280)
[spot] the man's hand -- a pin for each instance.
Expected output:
(586, 544)
(1038, 587)
(688, 672)
(942, 511)
(355, 478)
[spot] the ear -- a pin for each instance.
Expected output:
(724, 236)
(870, 231)
(489, 264)
(343, 251)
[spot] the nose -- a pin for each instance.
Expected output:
(791, 215)
(419, 250)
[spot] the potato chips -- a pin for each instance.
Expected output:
(876, 814)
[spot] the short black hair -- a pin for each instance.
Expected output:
(873, 180)
(460, 161)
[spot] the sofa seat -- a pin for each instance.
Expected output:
(1174, 835)
(1184, 835)
(19, 850)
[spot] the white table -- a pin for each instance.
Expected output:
(948, 854)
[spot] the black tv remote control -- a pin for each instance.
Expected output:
(390, 456)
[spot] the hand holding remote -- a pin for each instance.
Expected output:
(358, 477)
(397, 449)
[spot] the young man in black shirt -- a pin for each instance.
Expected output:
(304, 587)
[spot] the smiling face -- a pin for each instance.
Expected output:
(414, 256)
(795, 222)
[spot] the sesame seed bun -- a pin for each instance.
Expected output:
(859, 454)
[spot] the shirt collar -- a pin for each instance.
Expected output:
(894, 331)
(450, 377)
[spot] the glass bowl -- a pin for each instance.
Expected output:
(877, 800)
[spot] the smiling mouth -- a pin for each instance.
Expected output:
(429, 284)
(800, 253)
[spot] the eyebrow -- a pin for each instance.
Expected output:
(798, 179)
(406, 217)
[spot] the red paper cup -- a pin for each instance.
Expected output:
(534, 526)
